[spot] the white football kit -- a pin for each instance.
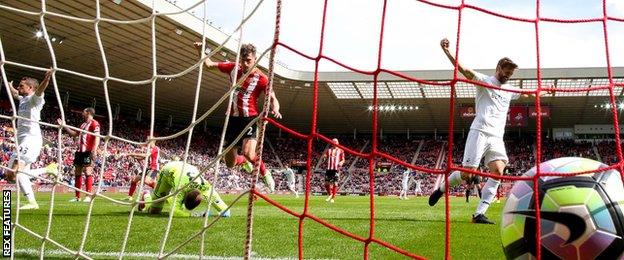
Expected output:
(485, 138)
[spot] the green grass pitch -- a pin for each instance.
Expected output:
(408, 224)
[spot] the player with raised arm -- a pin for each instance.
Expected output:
(87, 151)
(485, 139)
(405, 184)
(30, 95)
(244, 108)
(335, 160)
(177, 174)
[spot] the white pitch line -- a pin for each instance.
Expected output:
(145, 255)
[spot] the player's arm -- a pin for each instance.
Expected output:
(69, 131)
(342, 158)
(215, 199)
(97, 145)
(139, 156)
(541, 93)
(44, 83)
(275, 105)
(14, 92)
(468, 73)
(208, 62)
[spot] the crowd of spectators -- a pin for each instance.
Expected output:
(281, 151)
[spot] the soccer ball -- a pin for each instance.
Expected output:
(581, 216)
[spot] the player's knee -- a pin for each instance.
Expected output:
(250, 155)
(497, 171)
(497, 167)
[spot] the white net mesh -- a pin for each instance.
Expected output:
(107, 136)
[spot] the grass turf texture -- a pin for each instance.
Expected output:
(408, 224)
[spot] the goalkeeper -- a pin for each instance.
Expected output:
(170, 177)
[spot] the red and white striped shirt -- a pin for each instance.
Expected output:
(335, 155)
(153, 158)
(245, 102)
(86, 142)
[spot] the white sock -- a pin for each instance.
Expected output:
(487, 195)
(26, 186)
(454, 180)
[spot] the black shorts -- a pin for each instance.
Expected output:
(238, 125)
(83, 159)
(331, 176)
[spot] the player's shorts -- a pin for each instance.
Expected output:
(83, 159)
(331, 176)
(236, 125)
(29, 150)
(480, 145)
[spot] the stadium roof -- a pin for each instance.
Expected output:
(344, 97)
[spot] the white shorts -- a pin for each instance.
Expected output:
(480, 145)
(29, 150)
(405, 184)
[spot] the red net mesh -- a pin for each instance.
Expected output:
(375, 154)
